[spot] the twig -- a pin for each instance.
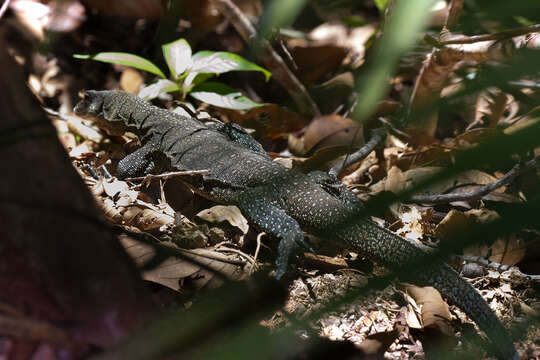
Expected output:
(478, 193)
(256, 255)
(271, 59)
(169, 175)
(4, 7)
(378, 135)
(495, 265)
(237, 252)
(497, 36)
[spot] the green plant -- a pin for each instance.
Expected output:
(188, 73)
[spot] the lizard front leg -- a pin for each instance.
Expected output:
(275, 222)
(139, 163)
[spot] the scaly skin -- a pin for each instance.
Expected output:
(277, 200)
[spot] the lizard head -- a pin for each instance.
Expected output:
(91, 104)
(99, 107)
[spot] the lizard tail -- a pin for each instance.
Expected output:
(462, 294)
(393, 251)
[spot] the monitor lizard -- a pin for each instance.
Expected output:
(280, 201)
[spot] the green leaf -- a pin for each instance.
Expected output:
(152, 91)
(178, 56)
(201, 77)
(221, 62)
(223, 96)
(381, 5)
(126, 59)
(278, 14)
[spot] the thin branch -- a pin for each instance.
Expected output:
(497, 36)
(169, 175)
(378, 135)
(271, 58)
(478, 193)
(256, 255)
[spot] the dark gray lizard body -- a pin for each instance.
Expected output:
(277, 200)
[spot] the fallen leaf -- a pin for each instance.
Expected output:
(269, 121)
(200, 271)
(435, 315)
(220, 213)
(508, 251)
(330, 131)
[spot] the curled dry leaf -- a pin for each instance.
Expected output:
(220, 213)
(434, 313)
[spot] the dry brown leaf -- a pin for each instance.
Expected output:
(456, 221)
(435, 315)
(269, 121)
(315, 61)
(320, 158)
(173, 271)
(505, 250)
(78, 127)
(122, 206)
(395, 181)
(398, 181)
(114, 187)
(340, 34)
(493, 106)
(330, 131)
(508, 251)
(146, 219)
(220, 213)
(333, 93)
(78, 152)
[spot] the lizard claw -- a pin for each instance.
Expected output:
(306, 245)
